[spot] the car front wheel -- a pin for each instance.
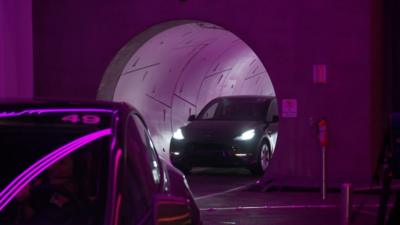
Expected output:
(263, 160)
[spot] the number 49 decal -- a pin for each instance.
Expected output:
(86, 119)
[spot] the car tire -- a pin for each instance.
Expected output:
(263, 159)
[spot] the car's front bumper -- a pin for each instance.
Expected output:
(228, 153)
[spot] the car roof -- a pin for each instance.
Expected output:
(266, 97)
(20, 104)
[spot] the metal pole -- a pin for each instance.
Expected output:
(323, 187)
(346, 203)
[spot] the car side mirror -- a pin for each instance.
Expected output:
(172, 209)
(192, 117)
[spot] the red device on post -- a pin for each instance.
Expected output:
(323, 132)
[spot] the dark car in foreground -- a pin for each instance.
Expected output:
(85, 164)
(234, 131)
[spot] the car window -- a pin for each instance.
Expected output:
(56, 166)
(209, 112)
(141, 175)
(69, 191)
(150, 150)
(137, 193)
(250, 109)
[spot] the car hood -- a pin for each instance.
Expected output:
(205, 129)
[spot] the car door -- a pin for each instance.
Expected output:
(141, 179)
(172, 210)
(144, 199)
(166, 208)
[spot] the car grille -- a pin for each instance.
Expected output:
(208, 150)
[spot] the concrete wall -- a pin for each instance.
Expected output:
(74, 41)
(16, 64)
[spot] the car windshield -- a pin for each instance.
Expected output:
(53, 167)
(235, 109)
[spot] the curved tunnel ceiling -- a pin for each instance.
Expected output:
(173, 69)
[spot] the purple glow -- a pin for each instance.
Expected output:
(39, 163)
(90, 119)
(74, 118)
(114, 188)
(116, 163)
(86, 119)
(38, 167)
(118, 207)
(32, 169)
(40, 111)
(114, 139)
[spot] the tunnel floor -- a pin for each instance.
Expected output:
(228, 196)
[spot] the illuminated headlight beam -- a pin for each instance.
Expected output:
(247, 135)
(178, 135)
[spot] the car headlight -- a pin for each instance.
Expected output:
(247, 135)
(178, 135)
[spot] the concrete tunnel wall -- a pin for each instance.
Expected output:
(74, 42)
(173, 69)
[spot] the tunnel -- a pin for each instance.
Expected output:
(331, 61)
(171, 70)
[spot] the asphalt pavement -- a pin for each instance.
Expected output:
(232, 196)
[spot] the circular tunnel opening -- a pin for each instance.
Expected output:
(173, 69)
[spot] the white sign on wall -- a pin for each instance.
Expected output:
(289, 108)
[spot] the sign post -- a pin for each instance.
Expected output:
(323, 140)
